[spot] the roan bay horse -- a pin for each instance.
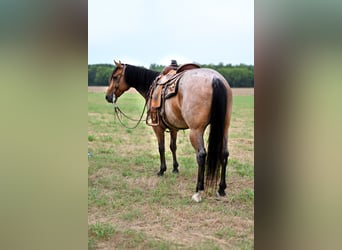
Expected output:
(204, 97)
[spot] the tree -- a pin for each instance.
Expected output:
(237, 75)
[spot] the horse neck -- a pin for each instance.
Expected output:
(140, 78)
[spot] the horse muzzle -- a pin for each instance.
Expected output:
(111, 98)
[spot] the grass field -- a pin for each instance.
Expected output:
(130, 207)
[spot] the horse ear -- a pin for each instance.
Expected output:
(118, 64)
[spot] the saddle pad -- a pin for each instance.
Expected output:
(171, 89)
(167, 77)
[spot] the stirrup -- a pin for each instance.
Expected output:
(152, 119)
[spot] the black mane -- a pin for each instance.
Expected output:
(140, 78)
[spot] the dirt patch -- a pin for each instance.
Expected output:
(179, 225)
(243, 91)
(103, 89)
(145, 183)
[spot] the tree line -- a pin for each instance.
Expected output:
(237, 75)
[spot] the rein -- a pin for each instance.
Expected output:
(118, 112)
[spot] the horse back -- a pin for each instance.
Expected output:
(191, 107)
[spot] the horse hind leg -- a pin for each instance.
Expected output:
(224, 160)
(173, 148)
(196, 138)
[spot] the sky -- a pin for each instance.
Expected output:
(142, 32)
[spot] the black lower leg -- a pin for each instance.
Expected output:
(201, 155)
(223, 185)
(173, 148)
(162, 159)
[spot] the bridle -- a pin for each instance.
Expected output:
(117, 110)
(116, 84)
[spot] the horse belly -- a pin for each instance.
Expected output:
(173, 113)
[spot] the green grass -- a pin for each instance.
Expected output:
(132, 215)
(141, 210)
(91, 138)
(102, 230)
(242, 169)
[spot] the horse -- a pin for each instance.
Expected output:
(204, 97)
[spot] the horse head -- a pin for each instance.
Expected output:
(117, 84)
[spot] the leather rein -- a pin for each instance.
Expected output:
(119, 113)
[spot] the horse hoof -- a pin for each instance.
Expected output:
(220, 193)
(160, 173)
(175, 171)
(197, 197)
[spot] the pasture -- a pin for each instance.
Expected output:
(130, 207)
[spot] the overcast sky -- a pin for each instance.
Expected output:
(142, 32)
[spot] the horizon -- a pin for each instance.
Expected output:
(224, 64)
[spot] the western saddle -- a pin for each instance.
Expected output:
(163, 87)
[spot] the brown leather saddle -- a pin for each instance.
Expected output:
(164, 87)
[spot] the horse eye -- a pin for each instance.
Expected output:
(115, 78)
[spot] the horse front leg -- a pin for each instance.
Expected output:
(160, 133)
(173, 147)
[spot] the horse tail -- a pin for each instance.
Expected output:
(215, 140)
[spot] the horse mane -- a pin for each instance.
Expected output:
(140, 78)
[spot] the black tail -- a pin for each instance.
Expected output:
(215, 141)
